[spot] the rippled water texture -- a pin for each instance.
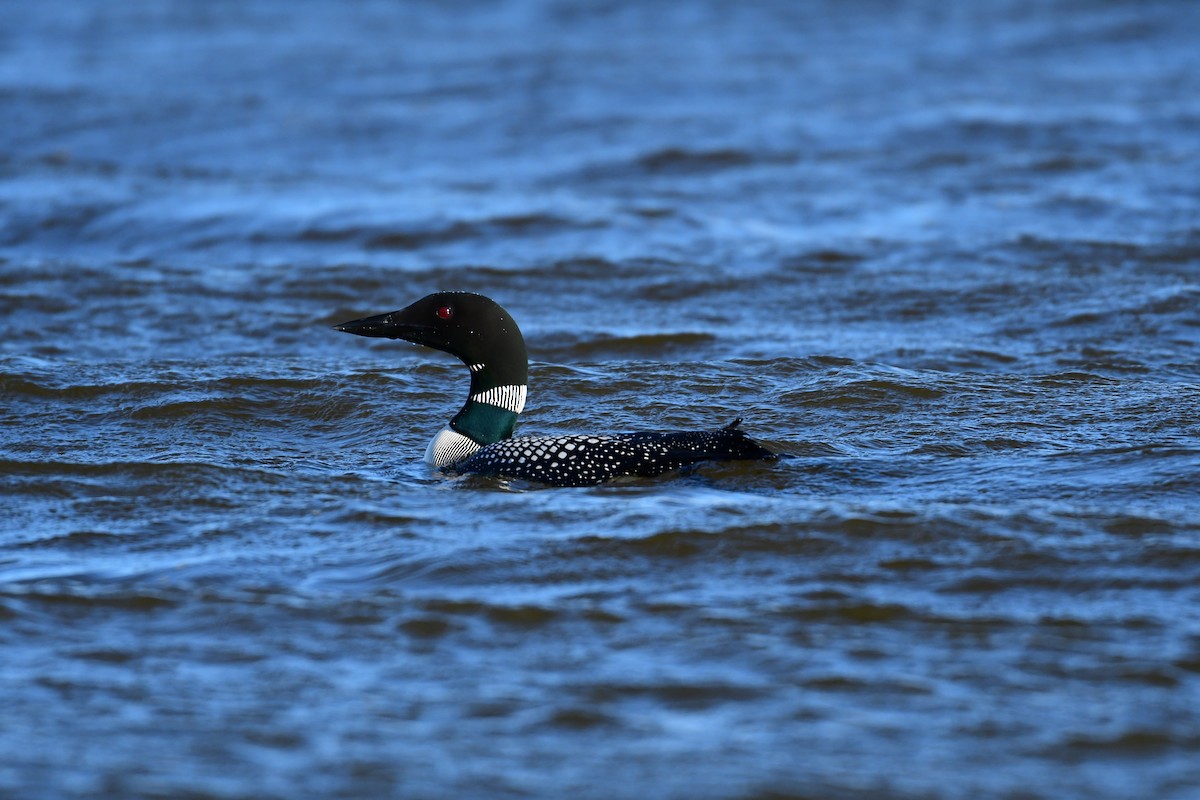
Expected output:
(943, 256)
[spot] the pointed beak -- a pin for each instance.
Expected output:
(385, 325)
(395, 325)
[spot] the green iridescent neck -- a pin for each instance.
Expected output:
(484, 423)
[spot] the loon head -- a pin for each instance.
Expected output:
(480, 333)
(470, 326)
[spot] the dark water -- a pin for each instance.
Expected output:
(946, 255)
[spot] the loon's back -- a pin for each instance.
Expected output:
(582, 460)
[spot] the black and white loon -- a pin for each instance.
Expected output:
(479, 437)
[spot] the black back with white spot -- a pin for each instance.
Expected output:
(582, 460)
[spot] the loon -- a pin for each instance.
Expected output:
(479, 440)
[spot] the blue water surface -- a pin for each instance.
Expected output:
(942, 256)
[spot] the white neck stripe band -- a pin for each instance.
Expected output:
(511, 398)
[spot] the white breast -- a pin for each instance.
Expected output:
(449, 447)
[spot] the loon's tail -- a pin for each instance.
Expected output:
(727, 444)
(739, 445)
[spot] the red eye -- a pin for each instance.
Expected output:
(445, 312)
